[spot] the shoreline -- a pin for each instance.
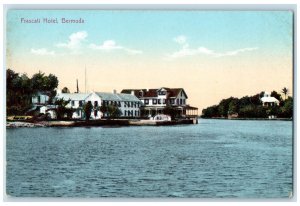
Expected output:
(119, 122)
(253, 119)
(96, 123)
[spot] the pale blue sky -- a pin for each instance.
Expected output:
(152, 32)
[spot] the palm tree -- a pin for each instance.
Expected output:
(285, 91)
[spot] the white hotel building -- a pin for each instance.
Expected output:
(156, 100)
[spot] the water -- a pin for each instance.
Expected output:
(216, 158)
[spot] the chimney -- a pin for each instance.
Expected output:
(132, 92)
(114, 91)
(77, 86)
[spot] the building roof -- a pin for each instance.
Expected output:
(171, 92)
(107, 96)
(128, 97)
(72, 96)
(269, 99)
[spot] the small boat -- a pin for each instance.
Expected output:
(161, 117)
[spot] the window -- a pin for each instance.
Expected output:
(177, 101)
(154, 101)
(72, 103)
(183, 101)
(172, 101)
(180, 101)
(159, 101)
(39, 99)
(135, 113)
(162, 93)
(96, 103)
(125, 113)
(131, 104)
(146, 101)
(164, 101)
(80, 103)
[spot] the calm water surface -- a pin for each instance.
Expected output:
(216, 158)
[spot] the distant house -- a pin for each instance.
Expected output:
(40, 98)
(267, 100)
(156, 100)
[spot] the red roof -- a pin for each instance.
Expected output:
(171, 92)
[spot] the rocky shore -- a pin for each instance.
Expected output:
(91, 123)
(23, 124)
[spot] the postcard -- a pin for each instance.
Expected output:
(149, 104)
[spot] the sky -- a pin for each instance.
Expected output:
(211, 54)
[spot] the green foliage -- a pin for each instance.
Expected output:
(211, 111)
(114, 111)
(40, 82)
(62, 110)
(65, 90)
(233, 106)
(285, 91)
(250, 107)
(111, 111)
(252, 111)
(21, 88)
(224, 106)
(169, 110)
(277, 96)
(286, 111)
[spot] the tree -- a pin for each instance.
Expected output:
(21, 88)
(233, 106)
(211, 111)
(277, 96)
(37, 81)
(223, 106)
(65, 90)
(286, 110)
(113, 111)
(19, 92)
(40, 82)
(51, 82)
(62, 110)
(285, 91)
(169, 110)
(87, 108)
(104, 109)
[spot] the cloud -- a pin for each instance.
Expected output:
(187, 51)
(235, 52)
(110, 45)
(42, 52)
(180, 39)
(74, 41)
